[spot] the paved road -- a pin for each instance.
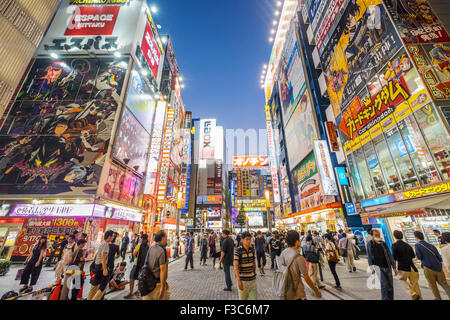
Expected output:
(206, 283)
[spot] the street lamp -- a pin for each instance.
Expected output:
(269, 216)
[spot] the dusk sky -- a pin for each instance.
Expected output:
(221, 47)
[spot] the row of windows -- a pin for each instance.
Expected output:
(412, 153)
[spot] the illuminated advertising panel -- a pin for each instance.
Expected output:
(150, 50)
(206, 143)
(53, 210)
(88, 21)
(273, 161)
(325, 168)
(165, 159)
(255, 218)
(250, 161)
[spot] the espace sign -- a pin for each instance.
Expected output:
(90, 21)
(150, 49)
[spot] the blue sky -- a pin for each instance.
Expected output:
(221, 46)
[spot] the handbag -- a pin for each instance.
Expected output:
(344, 251)
(19, 274)
(332, 255)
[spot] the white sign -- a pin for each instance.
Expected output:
(325, 167)
(127, 214)
(53, 210)
(214, 224)
(4, 209)
(273, 160)
(206, 143)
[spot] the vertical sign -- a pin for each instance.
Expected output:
(206, 143)
(325, 168)
(165, 157)
(273, 161)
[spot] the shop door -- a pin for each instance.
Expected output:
(8, 238)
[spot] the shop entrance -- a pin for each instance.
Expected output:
(8, 236)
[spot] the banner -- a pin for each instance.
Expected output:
(206, 143)
(272, 155)
(250, 161)
(150, 50)
(325, 168)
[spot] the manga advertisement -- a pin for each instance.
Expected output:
(33, 229)
(55, 137)
(291, 78)
(140, 100)
(301, 131)
(416, 21)
(131, 144)
(363, 41)
(121, 185)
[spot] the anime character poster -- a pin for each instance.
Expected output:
(55, 137)
(416, 21)
(433, 63)
(131, 143)
(363, 41)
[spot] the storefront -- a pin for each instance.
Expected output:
(328, 217)
(287, 224)
(170, 227)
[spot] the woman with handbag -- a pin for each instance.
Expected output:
(33, 265)
(332, 255)
(347, 252)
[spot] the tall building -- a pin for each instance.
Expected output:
(23, 24)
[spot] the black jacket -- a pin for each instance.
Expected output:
(403, 253)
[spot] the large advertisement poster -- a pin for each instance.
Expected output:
(255, 218)
(301, 131)
(291, 78)
(427, 42)
(55, 137)
(140, 100)
(150, 49)
(308, 183)
(34, 228)
(206, 143)
(363, 41)
(131, 144)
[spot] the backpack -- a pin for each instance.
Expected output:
(281, 279)
(147, 281)
(311, 256)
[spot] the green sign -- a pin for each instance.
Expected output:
(306, 169)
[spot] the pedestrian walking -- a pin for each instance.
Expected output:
(157, 262)
(78, 260)
(403, 254)
(33, 265)
(124, 247)
(99, 269)
(176, 246)
(275, 250)
(66, 257)
(382, 263)
(62, 245)
(260, 248)
(291, 258)
(437, 233)
(445, 251)
(113, 254)
(189, 251)
(54, 247)
(203, 249)
(134, 242)
(245, 269)
(226, 258)
(313, 257)
(347, 252)
(431, 264)
(140, 252)
(332, 255)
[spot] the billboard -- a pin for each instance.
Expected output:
(55, 138)
(165, 160)
(363, 41)
(291, 77)
(272, 155)
(131, 143)
(140, 100)
(325, 168)
(150, 49)
(301, 131)
(255, 218)
(206, 143)
(95, 20)
(250, 161)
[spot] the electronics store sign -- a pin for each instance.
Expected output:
(92, 27)
(53, 210)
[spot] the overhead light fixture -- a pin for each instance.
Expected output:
(182, 85)
(277, 12)
(117, 54)
(279, 3)
(54, 55)
(153, 9)
(274, 22)
(180, 78)
(271, 39)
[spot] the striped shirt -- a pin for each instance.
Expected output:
(246, 260)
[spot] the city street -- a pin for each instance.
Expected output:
(206, 283)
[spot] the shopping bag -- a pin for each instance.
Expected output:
(19, 274)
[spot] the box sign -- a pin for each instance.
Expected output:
(4, 209)
(99, 2)
(207, 128)
(325, 168)
(342, 176)
(209, 199)
(89, 21)
(150, 49)
(214, 224)
(272, 155)
(127, 214)
(56, 210)
(250, 161)
(351, 209)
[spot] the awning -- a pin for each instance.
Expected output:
(441, 202)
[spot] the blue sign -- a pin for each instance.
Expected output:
(372, 161)
(377, 201)
(401, 146)
(342, 176)
(360, 233)
(351, 209)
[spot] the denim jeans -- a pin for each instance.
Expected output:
(387, 283)
(226, 270)
(273, 256)
(261, 255)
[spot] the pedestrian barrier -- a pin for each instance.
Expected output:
(36, 293)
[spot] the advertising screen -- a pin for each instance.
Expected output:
(362, 43)
(301, 131)
(255, 218)
(130, 146)
(140, 100)
(55, 137)
(206, 144)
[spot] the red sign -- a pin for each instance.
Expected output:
(332, 135)
(93, 21)
(150, 49)
(250, 161)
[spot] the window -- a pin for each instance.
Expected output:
(417, 151)
(357, 185)
(361, 165)
(375, 169)
(436, 136)
(387, 164)
(400, 156)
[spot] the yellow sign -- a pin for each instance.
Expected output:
(417, 193)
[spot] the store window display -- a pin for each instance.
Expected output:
(357, 186)
(387, 164)
(375, 169)
(360, 160)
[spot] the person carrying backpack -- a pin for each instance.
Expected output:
(140, 253)
(312, 256)
(287, 283)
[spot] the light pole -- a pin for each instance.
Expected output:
(269, 215)
(179, 200)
